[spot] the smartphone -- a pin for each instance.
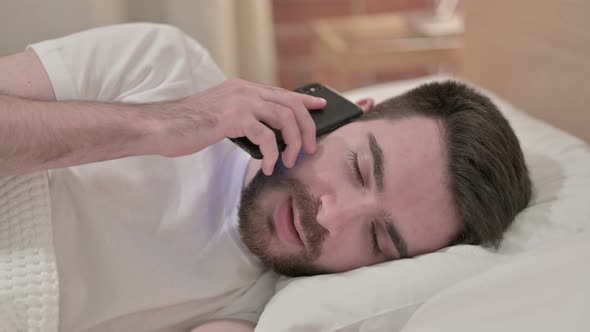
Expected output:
(338, 112)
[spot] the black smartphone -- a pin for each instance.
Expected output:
(338, 112)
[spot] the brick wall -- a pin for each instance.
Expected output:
(292, 20)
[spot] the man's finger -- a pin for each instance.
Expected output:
(282, 118)
(310, 102)
(265, 138)
(305, 122)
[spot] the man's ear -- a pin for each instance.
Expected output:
(366, 104)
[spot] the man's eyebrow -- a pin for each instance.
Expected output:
(377, 154)
(398, 241)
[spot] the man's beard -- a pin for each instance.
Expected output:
(257, 228)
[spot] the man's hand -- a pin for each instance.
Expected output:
(38, 134)
(237, 108)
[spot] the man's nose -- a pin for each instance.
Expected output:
(336, 212)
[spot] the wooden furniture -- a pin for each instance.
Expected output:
(345, 48)
(535, 54)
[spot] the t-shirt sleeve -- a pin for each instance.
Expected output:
(138, 62)
(251, 304)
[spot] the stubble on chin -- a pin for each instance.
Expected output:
(257, 226)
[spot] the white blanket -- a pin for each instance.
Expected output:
(28, 274)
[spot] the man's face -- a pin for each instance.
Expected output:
(375, 191)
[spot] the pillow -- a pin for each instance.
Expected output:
(547, 291)
(361, 300)
(332, 302)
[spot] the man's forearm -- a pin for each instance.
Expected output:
(41, 135)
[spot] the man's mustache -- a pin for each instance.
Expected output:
(307, 206)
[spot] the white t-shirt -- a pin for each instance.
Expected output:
(147, 243)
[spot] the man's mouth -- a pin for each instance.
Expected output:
(285, 221)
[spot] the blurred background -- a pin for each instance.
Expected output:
(343, 43)
(534, 53)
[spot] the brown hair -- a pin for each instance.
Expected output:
(488, 176)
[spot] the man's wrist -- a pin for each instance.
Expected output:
(150, 126)
(175, 128)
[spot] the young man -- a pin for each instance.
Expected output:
(149, 243)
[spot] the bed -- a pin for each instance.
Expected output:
(538, 279)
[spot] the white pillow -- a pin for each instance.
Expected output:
(331, 302)
(547, 290)
(363, 299)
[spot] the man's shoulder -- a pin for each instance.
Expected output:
(163, 62)
(135, 62)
